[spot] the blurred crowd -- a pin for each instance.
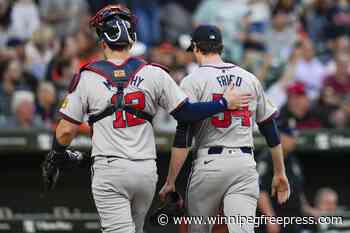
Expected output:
(299, 49)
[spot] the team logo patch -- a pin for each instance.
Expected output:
(119, 73)
(64, 103)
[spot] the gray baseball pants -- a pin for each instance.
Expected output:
(229, 181)
(123, 191)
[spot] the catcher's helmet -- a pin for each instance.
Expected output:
(115, 25)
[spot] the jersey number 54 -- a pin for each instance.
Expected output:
(226, 121)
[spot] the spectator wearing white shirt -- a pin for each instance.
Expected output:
(39, 51)
(226, 14)
(63, 15)
(25, 19)
(23, 110)
(310, 70)
(280, 37)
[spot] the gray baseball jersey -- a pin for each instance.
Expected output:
(231, 128)
(229, 180)
(122, 134)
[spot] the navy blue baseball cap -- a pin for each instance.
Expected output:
(205, 33)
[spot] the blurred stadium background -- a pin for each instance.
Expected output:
(299, 49)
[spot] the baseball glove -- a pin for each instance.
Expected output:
(55, 161)
(171, 207)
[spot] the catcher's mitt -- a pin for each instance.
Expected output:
(171, 207)
(54, 161)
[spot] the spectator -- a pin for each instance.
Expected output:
(253, 31)
(5, 22)
(288, 6)
(189, 5)
(14, 49)
(17, 47)
(63, 15)
(23, 110)
(25, 19)
(326, 201)
(298, 108)
(255, 25)
(339, 18)
(46, 106)
(309, 64)
(341, 117)
(87, 47)
(67, 51)
(13, 78)
(179, 23)
(164, 55)
(221, 13)
(327, 105)
(315, 19)
(280, 37)
(340, 44)
(63, 73)
(278, 91)
(39, 51)
(340, 80)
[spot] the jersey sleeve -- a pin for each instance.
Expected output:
(74, 106)
(189, 88)
(172, 96)
(265, 108)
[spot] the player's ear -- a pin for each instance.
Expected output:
(195, 49)
(103, 44)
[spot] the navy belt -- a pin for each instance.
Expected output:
(219, 149)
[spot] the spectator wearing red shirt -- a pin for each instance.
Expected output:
(340, 80)
(298, 109)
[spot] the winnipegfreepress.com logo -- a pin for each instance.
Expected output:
(164, 219)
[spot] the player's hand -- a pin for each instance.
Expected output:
(167, 188)
(235, 100)
(280, 188)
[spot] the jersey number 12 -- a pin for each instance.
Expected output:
(137, 99)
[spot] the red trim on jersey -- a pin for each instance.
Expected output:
(71, 120)
(74, 83)
(160, 66)
(218, 67)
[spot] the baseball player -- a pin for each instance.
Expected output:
(121, 95)
(224, 171)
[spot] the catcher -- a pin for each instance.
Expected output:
(121, 94)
